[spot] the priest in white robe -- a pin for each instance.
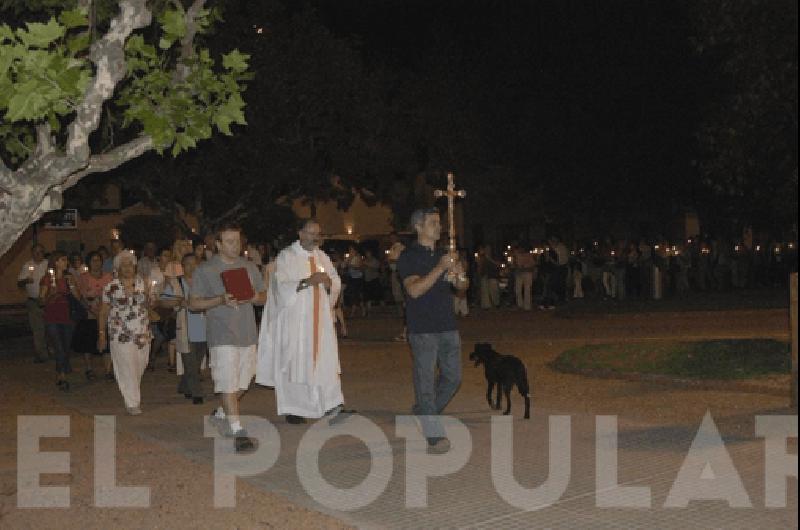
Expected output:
(297, 349)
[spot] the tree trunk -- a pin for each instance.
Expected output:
(37, 186)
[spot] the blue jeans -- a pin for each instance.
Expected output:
(61, 338)
(432, 395)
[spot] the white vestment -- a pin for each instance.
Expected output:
(306, 382)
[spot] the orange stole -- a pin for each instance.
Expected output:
(313, 266)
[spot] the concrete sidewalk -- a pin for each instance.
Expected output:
(656, 427)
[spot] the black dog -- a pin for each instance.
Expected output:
(505, 371)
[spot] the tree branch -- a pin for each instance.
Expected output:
(108, 55)
(182, 70)
(111, 159)
(44, 141)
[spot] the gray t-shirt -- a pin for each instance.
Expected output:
(227, 326)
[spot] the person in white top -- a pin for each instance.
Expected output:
(29, 278)
(297, 349)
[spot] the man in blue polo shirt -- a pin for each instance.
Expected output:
(428, 276)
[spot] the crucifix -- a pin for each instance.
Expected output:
(451, 193)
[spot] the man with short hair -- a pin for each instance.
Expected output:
(297, 349)
(148, 260)
(428, 276)
(116, 247)
(230, 330)
(396, 247)
(30, 275)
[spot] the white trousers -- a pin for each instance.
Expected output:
(129, 363)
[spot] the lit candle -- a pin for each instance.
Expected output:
(386, 252)
(790, 245)
(52, 274)
(245, 254)
(476, 254)
(85, 268)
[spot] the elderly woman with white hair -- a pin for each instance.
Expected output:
(124, 306)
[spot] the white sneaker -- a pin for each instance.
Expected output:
(134, 411)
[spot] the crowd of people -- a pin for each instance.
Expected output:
(553, 272)
(120, 309)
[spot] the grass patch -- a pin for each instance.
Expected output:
(710, 359)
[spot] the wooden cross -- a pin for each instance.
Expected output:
(451, 193)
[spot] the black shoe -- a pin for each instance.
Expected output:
(187, 395)
(197, 400)
(39, 360)
(90, 375)
(243, 443)
(109, 376)
(295, 420)
(151, 367)
(64, 386)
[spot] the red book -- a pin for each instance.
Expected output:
(237, 284)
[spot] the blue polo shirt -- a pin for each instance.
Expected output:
(432, 312)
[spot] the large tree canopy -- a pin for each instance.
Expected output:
(62, 76)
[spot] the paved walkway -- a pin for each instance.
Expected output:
(656, 427)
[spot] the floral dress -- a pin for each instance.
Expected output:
(128, 322)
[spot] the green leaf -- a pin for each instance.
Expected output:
(5, 91)
(78, 43)
(27, 103)
(173, 23)
(165, 43)
(7, 55)
(183, 142)
(55, 124)
(235, 61)
(41, 35)
(74, 18)
(6, 33)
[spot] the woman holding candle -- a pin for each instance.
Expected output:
(91, 284)
(124, 307)
(54, 290)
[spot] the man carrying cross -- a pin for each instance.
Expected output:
(428, 277)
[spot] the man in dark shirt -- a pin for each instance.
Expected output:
(428, 276)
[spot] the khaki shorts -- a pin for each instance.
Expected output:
(232, 367)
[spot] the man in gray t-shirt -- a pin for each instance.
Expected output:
(228, 325)
(230, 330)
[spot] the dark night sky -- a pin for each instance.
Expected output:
(591, 93)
